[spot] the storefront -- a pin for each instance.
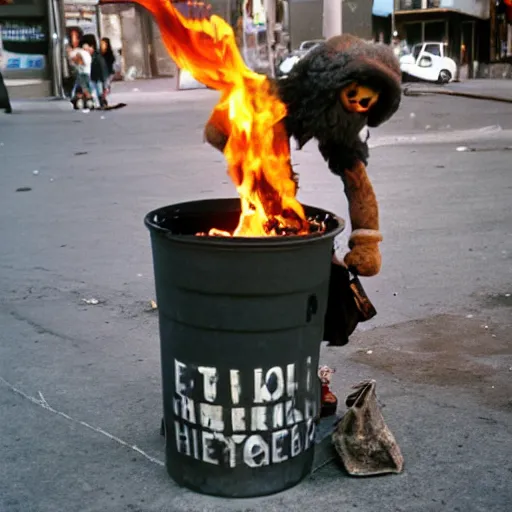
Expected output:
(467, 35)
(382, 20)
(136, 37)
(24, 40)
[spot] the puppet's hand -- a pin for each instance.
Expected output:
(364, 256)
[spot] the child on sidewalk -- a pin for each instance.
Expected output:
(81, 96)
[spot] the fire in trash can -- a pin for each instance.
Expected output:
(258, 149)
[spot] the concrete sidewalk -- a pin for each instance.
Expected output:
(80, 385)
(484, 87)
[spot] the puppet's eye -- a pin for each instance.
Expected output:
(358, 98)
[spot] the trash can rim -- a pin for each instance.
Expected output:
(231, 242)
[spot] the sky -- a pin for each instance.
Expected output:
(382, 7)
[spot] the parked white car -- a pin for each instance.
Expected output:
(287, 64)
(429, 61)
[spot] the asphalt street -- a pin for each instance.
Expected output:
(80, 389)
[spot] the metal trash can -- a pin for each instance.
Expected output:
(241, 323)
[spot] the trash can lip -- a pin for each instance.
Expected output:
(232, 205)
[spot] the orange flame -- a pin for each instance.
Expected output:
(257, 150)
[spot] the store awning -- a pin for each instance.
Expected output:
(79, 3)
(428, 13)
(382, 7)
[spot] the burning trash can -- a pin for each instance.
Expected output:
(241, 322)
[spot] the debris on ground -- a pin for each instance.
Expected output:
(329, 402)
(91, 302)
(362, 439)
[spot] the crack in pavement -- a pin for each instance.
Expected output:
(40, 329)
(41, 402)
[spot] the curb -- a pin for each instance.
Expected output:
(440, 137)
(411, 92)
(41, 105)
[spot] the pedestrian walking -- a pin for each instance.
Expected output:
(99, 71)
(110, 59)
(81, 95)
(5, 103)
(4, 93)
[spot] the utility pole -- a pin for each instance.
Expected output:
(270, 11)
(228, 12)
(509, 40)
(332, 24)
(492, 20)
(393, 22)
(56, 54)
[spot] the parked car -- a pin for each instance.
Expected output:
(293, 57)
(429, 61)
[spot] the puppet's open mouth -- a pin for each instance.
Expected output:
(358, 98)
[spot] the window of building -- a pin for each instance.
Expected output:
(435, 31)
(413, 33)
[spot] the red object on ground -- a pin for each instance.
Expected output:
(329, 402)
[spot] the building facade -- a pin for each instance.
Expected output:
(477, 31)
(306, 19)
(30, 47)
(136, 37)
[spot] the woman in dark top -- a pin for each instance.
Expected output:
(109, 57)
(4, 97)
(99, 71)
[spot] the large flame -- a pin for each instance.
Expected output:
(257, 150)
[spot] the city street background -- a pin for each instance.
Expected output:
(79, 379)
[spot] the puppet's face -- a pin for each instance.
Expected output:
(358, 98)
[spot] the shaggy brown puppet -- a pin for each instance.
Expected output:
(313, 93)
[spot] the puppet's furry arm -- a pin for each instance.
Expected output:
(364, 256)
(217, 129)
